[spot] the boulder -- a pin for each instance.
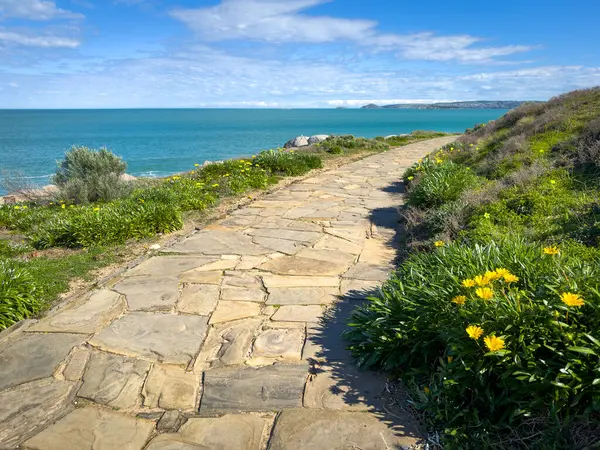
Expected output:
(127, 178)
(299, 141)
(317, 138)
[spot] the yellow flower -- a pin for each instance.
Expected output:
(426, 390)
(450, 359)
(17, 207)
(510, 278)
(487, 215)
(552, 181)
(410, 178)
(492, 275)
(196, 165)
(459, 299)
(481, 280)
(253, 156)
(468, 283)
(502, 272)
(215, 185)
(96, 209)
(451, 148)
(484, 293)
(493, 343)
(474, 331)
(24, 207)
(438, 160)
(552, 250)
(439, 243)
(570, 299)
(63, 206)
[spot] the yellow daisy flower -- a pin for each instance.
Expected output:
(481, 280)
(570, 299)
(510, 278)
(493, 343)
(459, 299)
(439, 243)
(474, 331)
(552, 250)
(484, 293)
(468, 283)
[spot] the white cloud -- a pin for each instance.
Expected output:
(34, 10)
(275, 21)
(10, 37)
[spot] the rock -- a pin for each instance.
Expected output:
(287, 234)
(127, 178)
(368, 272)
(299, 141)
(114, 380)
(254, 389)
(229, 432)
(170, 422)
(338, 244)
(33, 356)
(280, 245)
(227, 344)
(218, 242)
(308, 429)
(86, 315)
(155, 247)
(295, 265)
(168, 338)
(76, 366)
(302, 296)
(243, 294)
(199, 299)
(227, 311)
(202, 277)
(149, 293)
(317, 138)
(171, 387)
(30, 407)
(279, 344)
(169, 266)
(298, 313)
(92, 428)
(273, 281)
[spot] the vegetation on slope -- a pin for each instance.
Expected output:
(493, 319)
(44, 245)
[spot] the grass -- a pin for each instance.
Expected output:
(49, 244)
(517, 196)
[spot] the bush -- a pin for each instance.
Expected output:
(288, 163)
(537, 355)
(438, 183)
(338, 145)
(18, 299)
(86, 176)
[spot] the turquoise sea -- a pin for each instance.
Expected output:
(159, 142)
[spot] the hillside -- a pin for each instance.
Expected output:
(479, 104)
(492, 320)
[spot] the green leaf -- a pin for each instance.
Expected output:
(585, 350)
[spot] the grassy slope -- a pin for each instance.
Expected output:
(495, 199)
(57, 244)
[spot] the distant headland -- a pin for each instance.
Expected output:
(477, 104)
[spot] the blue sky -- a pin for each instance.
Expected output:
(291, 53)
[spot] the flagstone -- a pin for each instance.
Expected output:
(279, 344)
(171, 387)
(202, 277)
(149, 293)
(291, 235)
(273, 281)
(280, 245)
(369, 272)
(298, 313)
(74, 369)
(228, 311)
(167, 266)
(218, 243)
(87, 315)
(302, 296)
(164, 337)
(303, 266)
(199, 299)
(335, 243)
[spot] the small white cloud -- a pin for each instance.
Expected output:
(34, 10)
(37, 41)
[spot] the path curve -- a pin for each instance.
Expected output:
(229, 339)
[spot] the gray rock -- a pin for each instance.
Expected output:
(317, 138)
(114, 380)
(30, 407)
(254, 389)
(299, 141)
(218, 242)
(149, 293)
(308, 429)
(167, 338)
(33, 356)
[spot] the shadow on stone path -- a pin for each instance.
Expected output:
(230, 339)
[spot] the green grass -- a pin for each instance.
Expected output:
(533, 184)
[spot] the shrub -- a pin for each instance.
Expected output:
(86, 176)
(288, 163)
(537, 356)
(18, 299)
(438, 183)
(343, 144)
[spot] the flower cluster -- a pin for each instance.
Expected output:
(492, 343)
(483, 282)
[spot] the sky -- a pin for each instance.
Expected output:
(292, 53)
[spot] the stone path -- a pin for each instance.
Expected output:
(230, 339)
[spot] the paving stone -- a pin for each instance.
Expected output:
(202, 277)
(340, 385)
(229, 432)
(86, 315)
(302, 296)
(76, 366)
(250, 262)
(228, 311)
(30, 357)
(149, 293)
(377, 251)
(218, 265)
(338, 244)
(368, 272)
(358, 289)
(274, 281)
(30, 407)
(199, 299)
(242, 294)
(296, 213)
(214, 242)
(254, 389)
(114, 380)
(344, 259)
(170, 422)
(171, 387)
(94, 429)
(280, 245)
(167, 338)
(227, 344)
(308, 429)
(241, 279)
(290, 235)
(279, 344)
(238, 222)
(298, 313)
(297, 266)
(167, 266)
(299, 325)
(276, 203)
(356, 235)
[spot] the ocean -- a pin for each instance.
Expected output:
(160, 142)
